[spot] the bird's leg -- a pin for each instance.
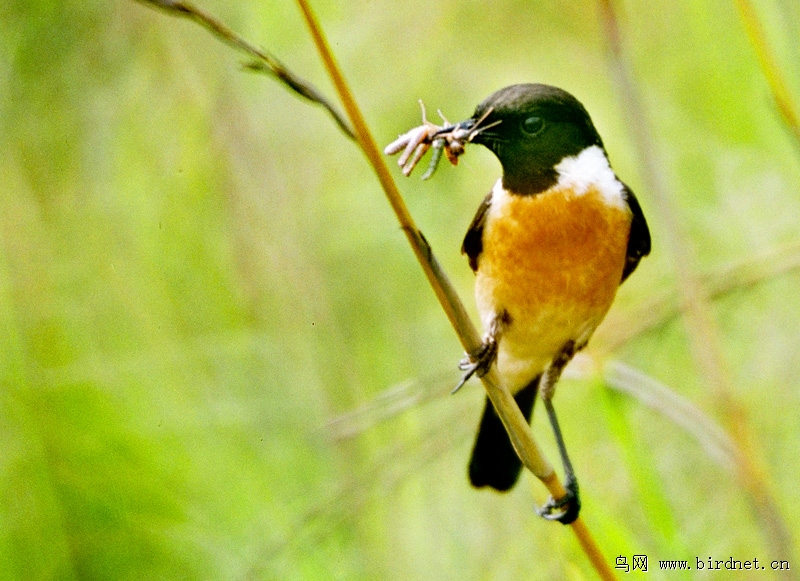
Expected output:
(480, 361)
(565, 509)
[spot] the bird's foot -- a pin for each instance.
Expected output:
(565, 510)
(478, 362)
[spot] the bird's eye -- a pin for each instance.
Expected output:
(532, 125)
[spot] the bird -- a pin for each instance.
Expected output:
(549, 246)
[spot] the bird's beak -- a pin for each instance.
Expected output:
(469, 131)
(467, 125)
(462, 128)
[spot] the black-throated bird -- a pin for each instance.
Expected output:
(549, 245)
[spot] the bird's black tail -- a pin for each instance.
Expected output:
(494, 462)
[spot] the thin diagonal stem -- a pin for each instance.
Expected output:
(504, 403)
(265, 62)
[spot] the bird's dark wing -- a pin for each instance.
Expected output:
(639, 239)
(473, 241)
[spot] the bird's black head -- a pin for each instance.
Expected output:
(536, 127)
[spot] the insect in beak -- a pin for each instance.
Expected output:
(450, 138)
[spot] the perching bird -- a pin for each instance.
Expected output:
(549, 245)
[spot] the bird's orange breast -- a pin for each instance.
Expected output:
(553, 263)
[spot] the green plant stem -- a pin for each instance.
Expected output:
(265, 62)
(518, 429)
(448, 298)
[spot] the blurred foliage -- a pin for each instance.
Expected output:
(198, 273)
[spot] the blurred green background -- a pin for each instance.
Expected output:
(200, 280)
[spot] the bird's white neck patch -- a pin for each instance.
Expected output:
(590, 169)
